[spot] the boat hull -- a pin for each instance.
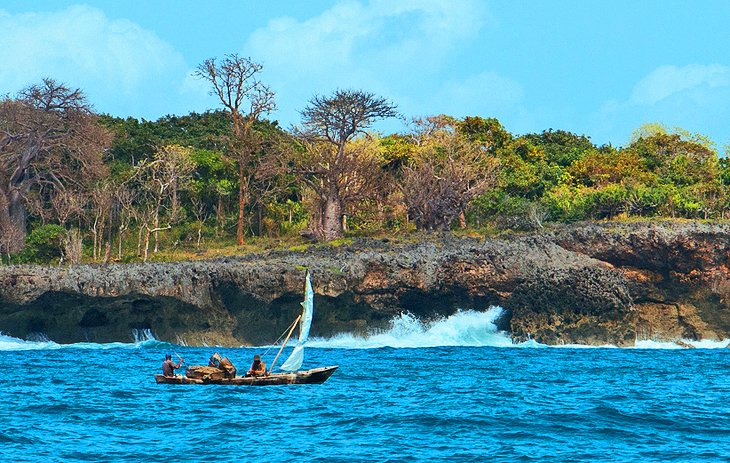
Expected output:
(314, 376)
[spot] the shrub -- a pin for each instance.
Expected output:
(43, 245)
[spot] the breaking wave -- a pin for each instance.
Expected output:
(465, 328)
(468, 329)
(142, 338)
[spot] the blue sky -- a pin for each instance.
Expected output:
(599, 68)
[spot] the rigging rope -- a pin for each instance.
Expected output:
(279, 338)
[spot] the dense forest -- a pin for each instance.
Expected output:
(79, 186)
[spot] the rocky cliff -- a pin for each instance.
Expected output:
(588, 283)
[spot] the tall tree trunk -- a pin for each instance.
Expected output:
(108, 252)
(101, 237)
(260, 218)
(95, 233)
(241, 204)
(16, 219)
(120, 235)
(157, 227)
(146, 245)
(220, 216)
(139, 240)
(173, 202)
(332, 220)
(13, 236)
(462, 220)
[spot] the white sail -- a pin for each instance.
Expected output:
(294, 362)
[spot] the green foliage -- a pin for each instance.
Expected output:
(550, 176)
(398, 151)
(647, 130)
(43, 245)
(506, 211)
(214, 173)
(566, 203)
(489, 132)
(286, 217)
(560, 147)
(139, 139)
(525, 170)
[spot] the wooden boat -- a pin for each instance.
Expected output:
(209, 375)
(314, 376)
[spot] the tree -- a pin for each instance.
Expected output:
(67, 204)
(489, 132)
(101, 205)
(214, 181)
(447, 173)
(562, 148)
(160, 179)
(338, 171)
(48, 136)
(235, 83)
(125, 199)
(647, 130)
(339, 181)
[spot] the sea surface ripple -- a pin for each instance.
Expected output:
(384, 404)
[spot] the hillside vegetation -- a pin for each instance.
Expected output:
(78, 186)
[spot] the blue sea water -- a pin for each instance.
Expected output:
(454, 391)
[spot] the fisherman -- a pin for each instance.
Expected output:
(258, 368)
(169, 367)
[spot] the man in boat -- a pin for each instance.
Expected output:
(258, 368)
(169, 367)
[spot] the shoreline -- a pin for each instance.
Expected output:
(587, 283)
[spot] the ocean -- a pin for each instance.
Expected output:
(453, 390)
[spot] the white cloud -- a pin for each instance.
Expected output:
(695, 97)
(393, 48)
(116, 62)
(666, 81)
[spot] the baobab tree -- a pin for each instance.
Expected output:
(246, 99)
(335, 168)
(48, 136)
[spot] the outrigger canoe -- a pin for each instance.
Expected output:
(314, 376)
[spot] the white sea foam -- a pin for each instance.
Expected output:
(464, 328)
(143, 338)
(703, 344)
(469, 329)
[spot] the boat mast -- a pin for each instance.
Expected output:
(293, 325)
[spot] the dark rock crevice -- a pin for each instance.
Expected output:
(69, 317)
(586, 283)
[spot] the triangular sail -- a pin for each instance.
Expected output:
(294, 362)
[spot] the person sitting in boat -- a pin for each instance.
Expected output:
(258, 368)
(169, 367)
